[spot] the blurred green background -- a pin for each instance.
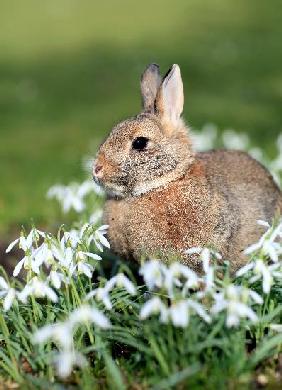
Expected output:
(70, 69)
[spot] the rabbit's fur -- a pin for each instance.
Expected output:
(165, 198)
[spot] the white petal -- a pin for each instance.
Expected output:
(256, 297)
(92, 255)
(103, 240)
(276, 327)
(43, 334)
(85, 269)
(126, 283)
(179, 314)
(263, 223)
(50, 294)
(11, 246)
(9, 299)
(25, 293)
(244, 269)
(55, 279)
(252, 248)
(194, 250)
(19, 266)
(3, 283)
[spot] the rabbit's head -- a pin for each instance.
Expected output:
(150, 150)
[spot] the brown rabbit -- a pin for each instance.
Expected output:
(164, 198)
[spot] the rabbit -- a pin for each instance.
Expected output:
(163, 197)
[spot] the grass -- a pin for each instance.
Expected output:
(70, 70)
(135, 352)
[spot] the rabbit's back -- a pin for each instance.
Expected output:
(217, 202)
(249, 194)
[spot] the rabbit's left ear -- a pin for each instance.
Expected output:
(150, 82)
(170, 99)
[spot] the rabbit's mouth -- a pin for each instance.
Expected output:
(115, 190)
(111, 188)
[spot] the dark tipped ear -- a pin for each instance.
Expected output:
(170, 99)
(150, 82)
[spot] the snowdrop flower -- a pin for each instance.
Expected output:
(73, 237)
(57, 278)
(25, 243)
(206, 138)
(61, 333)
(174, 275)
(121, 281)
(68, 197)
(99, 238)
(276, 327)
(206, 255)
(154, 306)
(180, 312)
(63, 254)
(153, 274)
(234, 140)
(82, 266)
(234, 300)
(96, 217)
(261, 270)
(8, 292)
(38, 289)
(28, 262)
(267, 243)
(86, 313)
(101, 294)
(67, 359)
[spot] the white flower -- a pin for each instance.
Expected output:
(29, 263)
(63, 254)
(234, 300)
(95, 217)
(176, 275)
(8, 292)
(179, 313)
(276, 327)
(153, 274)
(261, 270)
(86, 313)
(234, 140)
(206, 138)
(267, 243)
(99, 237)
(61, 333)
(68, 196)
(66, 360)
(121, 281)
(101, 294)
(57, 278)
(206, 255)
(38, 289)
(154, 306)
(25, 243)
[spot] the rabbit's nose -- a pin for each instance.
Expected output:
(98, 171)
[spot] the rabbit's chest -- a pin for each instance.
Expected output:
(159, 220)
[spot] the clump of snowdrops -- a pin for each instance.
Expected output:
(74, 313)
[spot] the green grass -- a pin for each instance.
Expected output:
(133, 352)
(70, 70)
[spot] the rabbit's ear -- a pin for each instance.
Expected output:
(170, 99)
(150, 82)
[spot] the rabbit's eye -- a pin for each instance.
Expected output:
(140, 143)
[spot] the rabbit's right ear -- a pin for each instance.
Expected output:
(170, 98)
(150, 82)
